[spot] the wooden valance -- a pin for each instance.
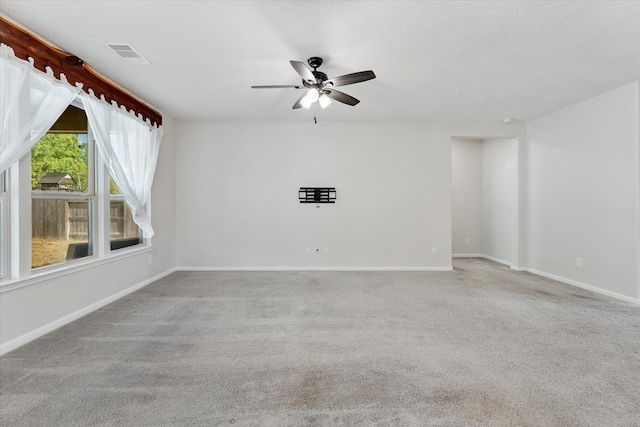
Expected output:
(26, 45)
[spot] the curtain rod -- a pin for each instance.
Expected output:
(25, 45)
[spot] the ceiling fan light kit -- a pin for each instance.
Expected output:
(320, 87)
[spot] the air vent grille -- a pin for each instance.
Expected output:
(128, 53)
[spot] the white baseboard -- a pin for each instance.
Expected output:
(37, 333)
(314, 269)
(498, 260)
(490, 258)
(571, 282)
(591, 288)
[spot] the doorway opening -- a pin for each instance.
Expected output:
(485, 199)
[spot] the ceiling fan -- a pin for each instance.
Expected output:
(320, 87)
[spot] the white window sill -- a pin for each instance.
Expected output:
(71, 267)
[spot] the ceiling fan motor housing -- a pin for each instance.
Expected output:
(314, 62)
(320, 77)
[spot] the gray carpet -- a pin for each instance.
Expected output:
(481, 345)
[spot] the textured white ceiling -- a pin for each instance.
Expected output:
(445, 60)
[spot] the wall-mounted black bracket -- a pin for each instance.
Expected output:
(317, 194)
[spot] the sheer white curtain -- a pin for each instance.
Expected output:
(30, 103)
(129, 148)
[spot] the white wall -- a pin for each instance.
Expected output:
(467, 196)
(163, 201)
(498, 193)
(237, 188)
(582, 192)
(29, 311)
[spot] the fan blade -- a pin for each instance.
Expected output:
(277, 87)
(349, 79)
(341, 97)
(298, 104)
(304, 72)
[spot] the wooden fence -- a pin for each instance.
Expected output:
(68, 219)
(122, 225)
(48, 219)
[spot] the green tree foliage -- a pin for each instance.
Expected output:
(113, 188)
(59, 153)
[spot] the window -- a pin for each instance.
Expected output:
(72, 208)
(65, 199)
(62, 192)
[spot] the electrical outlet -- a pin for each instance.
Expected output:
(326, 251)
(434, 251)
(466, 241)
(308, 251)
(578, 262)
(150, 259)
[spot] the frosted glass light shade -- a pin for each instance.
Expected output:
(324, 100)
(313, 95)
(305, 103)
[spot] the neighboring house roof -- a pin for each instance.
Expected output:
(58, 178)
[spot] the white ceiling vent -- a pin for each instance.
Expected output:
(128, 53)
